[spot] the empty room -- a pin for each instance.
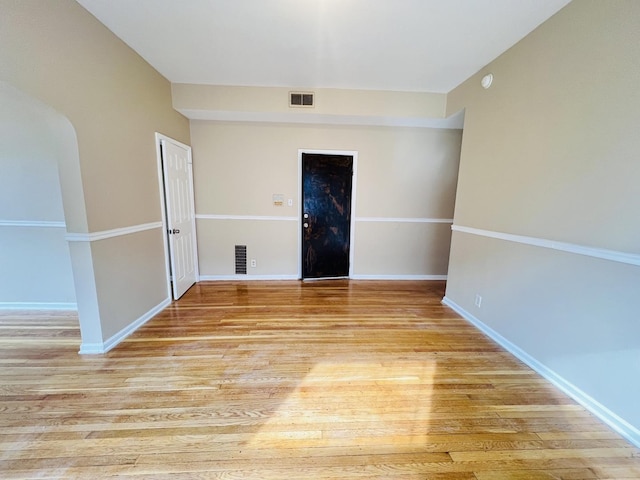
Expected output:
(320, 239)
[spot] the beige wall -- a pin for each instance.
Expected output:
(28, 158)
(138, 262)
(335, 102)
(272, 243)
(407, 173)
(402, 249)
(36, 268)
(550, 152)
(58, 53)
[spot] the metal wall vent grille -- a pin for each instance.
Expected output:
(301, 99)
(241, 259)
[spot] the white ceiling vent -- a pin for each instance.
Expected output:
(301, 99)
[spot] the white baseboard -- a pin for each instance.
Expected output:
(38, 306)
(220, 278)
(98, 348)
(91, 348)
(628, 431)
(398, 277)
(217, 278)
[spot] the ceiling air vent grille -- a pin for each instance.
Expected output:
(241, 259)
(301, 99)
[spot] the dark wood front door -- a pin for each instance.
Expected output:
(326, 214)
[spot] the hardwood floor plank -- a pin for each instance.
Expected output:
(291, 380)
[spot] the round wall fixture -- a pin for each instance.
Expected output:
(487, 80)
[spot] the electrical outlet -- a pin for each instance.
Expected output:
(478, 301)
(253, 263)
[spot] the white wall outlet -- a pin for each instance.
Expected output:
(478, 301)
(290, 202)
(253, 263)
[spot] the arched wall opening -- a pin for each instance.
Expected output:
(41, 200)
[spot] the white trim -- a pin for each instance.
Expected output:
(192, 195)
(354, 177)
(98, 348)
(160, 136)
(201, 216)
(38, 306)
(219, 278)
(352, 227)
(398, 277)
(618, 424)
(91, 349)
(404, 220)
(116, 232)
(612, 255)
(300, 213)
(32, 223)
(455, 121)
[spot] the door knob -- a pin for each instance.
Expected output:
(306, 215)
(175, 230)
(305, 225)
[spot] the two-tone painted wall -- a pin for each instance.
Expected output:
(34, 256)
(546, 226)
(246, 144)
(545, 223)
(107, 103)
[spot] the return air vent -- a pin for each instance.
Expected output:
(301, 99)
(241, 259)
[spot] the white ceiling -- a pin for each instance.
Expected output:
(402, 45)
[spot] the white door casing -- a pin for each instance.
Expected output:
(180, 215)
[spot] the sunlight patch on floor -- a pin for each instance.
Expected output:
(333, 394)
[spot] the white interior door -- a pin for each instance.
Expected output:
(181, 227)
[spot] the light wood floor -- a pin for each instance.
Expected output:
(289, 380)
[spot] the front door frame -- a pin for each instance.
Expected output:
(163, 208)
(352, 229)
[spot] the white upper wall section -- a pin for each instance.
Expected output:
(408, 45)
